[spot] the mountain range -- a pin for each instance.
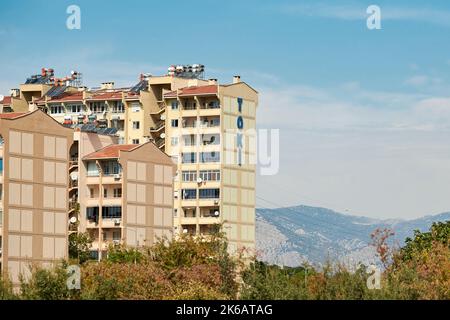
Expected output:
(292, 236)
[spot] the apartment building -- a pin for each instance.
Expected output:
(56, 179)
(34, 154)
(206, 128)
(127, 195)
(210, 132)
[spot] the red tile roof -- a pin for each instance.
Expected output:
(11, 115)
(195, 90)
(68, 96)
(110, 152)
(6, 100)
(107, 96)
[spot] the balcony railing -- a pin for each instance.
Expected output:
(158, 125)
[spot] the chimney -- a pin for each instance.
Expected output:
(212, 81)
(107, 85)
(236, 79)
(14, 93)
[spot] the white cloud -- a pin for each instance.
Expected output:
(381, 154)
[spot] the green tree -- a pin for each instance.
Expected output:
(79, 246)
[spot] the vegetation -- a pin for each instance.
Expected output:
(192, 268)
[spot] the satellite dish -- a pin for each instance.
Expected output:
(199, 180)
(1, 97)
(73, 220)
(216, 213)
(163, 117)
(163, 135)
(74, 176)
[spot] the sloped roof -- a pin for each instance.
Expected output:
(110, 152)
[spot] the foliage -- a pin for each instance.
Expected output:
(201, 268)
(79, 245)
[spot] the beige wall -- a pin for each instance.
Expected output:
(35, 183)
(147, 195)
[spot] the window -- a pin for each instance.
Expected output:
(92, 213)
(116, 235)
(75, 108)
(174, 141)
(135, 141)
(56, 109)
(188, 157)
(212, 156)
(189, 176)
(174, 123)
(105, 193)
(213, 105)
(91, 193)
(209, 193)
(1, 165)
(174, 105)
(111, 167)
(118, 107)
(190, 105)
(111, 212)
(189, 194)
(92, 169)
(117, 192)
(98, 107)
(210, 139)
(190, 140)
(210, 175)
(136, 124)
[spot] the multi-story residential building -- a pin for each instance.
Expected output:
(35, 159)
(210, 131)
(129, 195)
(205, 127)
(55, 179)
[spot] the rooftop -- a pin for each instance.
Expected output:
(195, 90)
(11, 115)
(6, 100)
(110, 152)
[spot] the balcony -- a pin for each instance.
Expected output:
(112, 178)
(160, 142)
(161, 106)
(158, 126)
(111, 222)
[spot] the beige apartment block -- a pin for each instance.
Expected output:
(130, 196)
(208, 129)
(56, 180)
(35, 159)
(216, 181)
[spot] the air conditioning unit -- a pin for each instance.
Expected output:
(216, 201)
(116, 241)
(117, 222)
(117, 176)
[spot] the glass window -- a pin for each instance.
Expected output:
(111, 212)
(209, 193)
(136, 124)
(210, 175)
(189, 157)
(189, 176)
(92, 213)
(189, 194)
(111, 167)
(212, 156)
(174, 141)
(174, 123)
(174, 105)
(117, 192)
(92, 169)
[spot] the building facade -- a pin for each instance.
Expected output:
(206, 128)
(210, 133)
(57, 180)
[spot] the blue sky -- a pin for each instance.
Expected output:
(364, 114)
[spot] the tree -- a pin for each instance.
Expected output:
(79, 245)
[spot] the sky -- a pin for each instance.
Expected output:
(364, 115)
